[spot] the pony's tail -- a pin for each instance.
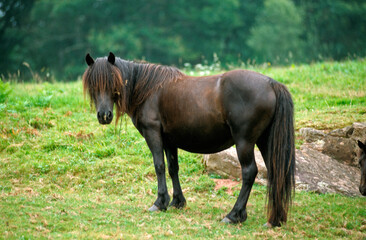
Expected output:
(281, 157)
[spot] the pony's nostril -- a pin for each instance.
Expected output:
(104, 117)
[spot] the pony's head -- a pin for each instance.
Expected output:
(362, 163)
(102, 80)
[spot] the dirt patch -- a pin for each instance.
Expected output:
(228, 183)
(80, 135)
(28, 191)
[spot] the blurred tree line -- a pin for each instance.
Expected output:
(52, 37)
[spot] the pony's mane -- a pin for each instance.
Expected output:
(146, 79)
(130, 82)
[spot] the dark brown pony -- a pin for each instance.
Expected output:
(203, 115)
(362, 164)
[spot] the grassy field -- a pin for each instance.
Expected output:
(62, 175)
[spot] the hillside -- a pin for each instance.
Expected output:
(62, 175)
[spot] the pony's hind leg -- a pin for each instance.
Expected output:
(245, 152)
(172, 158)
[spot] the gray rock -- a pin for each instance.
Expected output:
(226, 164)
(325, 164)
(317, 145)
(341, 149)
(359, 131)
(340, 144)
(342, 133)
(311, 134)
(315, 171)
(320, 173)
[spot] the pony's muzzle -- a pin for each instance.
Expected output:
(105, 117)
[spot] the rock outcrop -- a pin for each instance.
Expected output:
(340, 144)
(324, 164)
(320, 173)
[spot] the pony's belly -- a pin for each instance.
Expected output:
(205, 149)
(201, 142)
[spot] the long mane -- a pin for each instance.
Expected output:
(147, 79)
(131, 83)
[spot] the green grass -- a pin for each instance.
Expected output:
(326, 95)
(62, 175)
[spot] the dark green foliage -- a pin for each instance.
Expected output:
(275, 37)
(334, 28)
(49, 38)
(13, 23)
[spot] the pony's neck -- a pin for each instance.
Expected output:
(141, 80)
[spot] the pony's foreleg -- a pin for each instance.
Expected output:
(245, 152)
(153, 140)
(172, 158)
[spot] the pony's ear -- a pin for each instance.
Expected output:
(361, 145)
(89, 60)
(111, 58)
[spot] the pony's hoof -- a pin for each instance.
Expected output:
(270, 225)
(226, 220)
(267, 225)
(154, 208)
